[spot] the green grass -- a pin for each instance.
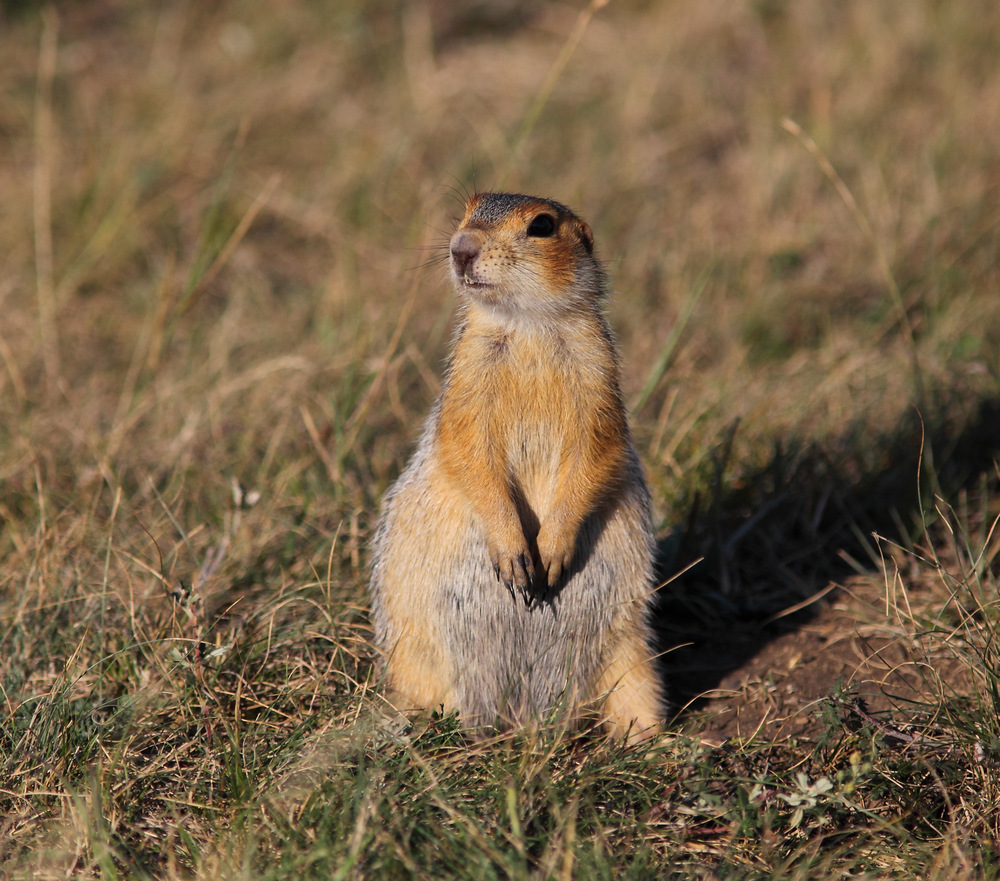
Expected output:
(224, 312)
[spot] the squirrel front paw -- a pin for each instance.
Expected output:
(555, 551)
(512, 565)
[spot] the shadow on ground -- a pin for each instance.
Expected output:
(777, 543)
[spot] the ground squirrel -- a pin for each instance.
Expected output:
(525, 478)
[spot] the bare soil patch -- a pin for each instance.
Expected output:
(846, 651)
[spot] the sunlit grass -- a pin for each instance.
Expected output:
(224, 314)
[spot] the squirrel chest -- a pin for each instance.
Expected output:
(517, 393)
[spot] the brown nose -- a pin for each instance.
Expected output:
(464, 251)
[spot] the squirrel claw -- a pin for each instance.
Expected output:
(541, 593)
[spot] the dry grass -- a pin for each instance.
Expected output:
(224, 313)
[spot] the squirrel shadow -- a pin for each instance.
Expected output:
(760, 548)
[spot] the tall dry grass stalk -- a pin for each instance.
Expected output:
(45, 158)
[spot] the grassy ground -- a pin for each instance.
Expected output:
(224, 314)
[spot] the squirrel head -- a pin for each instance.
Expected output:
(524, 257)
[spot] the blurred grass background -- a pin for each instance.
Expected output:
(224, 312)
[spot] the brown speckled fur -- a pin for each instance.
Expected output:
(512, 564)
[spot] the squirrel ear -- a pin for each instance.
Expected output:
(587, 237)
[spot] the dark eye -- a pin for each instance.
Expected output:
(542, 226)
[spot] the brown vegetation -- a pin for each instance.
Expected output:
(222, 316)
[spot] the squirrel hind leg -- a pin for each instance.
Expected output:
(418, 678)
(633, 703)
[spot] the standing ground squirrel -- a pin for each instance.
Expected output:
(525, 478)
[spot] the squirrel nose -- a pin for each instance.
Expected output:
(464, 251)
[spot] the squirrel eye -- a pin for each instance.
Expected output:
(542, 226)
